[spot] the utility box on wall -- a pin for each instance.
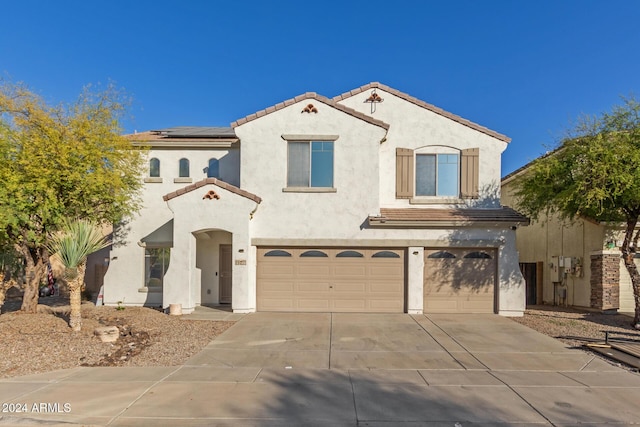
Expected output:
(556, 268)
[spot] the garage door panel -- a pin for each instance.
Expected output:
(277, 286)
(344, 287)
(276, 270)
(385, 287)
(345, 283)
(350, 271)
(276, 304)
(312, 304)
(349, 305)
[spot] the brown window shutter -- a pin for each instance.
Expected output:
(469, 173)
(404, 173)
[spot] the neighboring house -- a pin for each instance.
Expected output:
(574, 263)
(372, 201)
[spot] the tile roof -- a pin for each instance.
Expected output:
(215, 182)
(304, 97)
(455, 217)
(420, 103)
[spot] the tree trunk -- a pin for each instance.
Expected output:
(34, 271)
(632, 269)
(75, 299)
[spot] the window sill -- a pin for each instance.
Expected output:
(153, 180)
(150, 290)
(435, 201)
(309, 190)
(186, 180)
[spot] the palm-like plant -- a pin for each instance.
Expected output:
(73, 243)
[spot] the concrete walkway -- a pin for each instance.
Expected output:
(277, 369)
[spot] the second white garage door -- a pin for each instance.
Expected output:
(331, 280)
(459, 280)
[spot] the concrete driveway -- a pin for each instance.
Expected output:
(273, 369)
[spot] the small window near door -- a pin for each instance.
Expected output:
(314, 254)
(385, 254)
(478, 255)
(349, 254)
(442, 255)
(156, 263)
(277, 253)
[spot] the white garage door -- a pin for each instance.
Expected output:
(459, 280)
(331, 280)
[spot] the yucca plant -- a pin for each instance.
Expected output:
(73, 243)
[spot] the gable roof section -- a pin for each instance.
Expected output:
(420, 103)
(308, 96)
(213, 181)
(433, 217)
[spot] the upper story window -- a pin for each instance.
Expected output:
(438, 174)
(154, 168)
(213, 169)
(183, 169)
(310, 164)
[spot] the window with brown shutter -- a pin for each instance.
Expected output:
(469, 173)
(404, 173)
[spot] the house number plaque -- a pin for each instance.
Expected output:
(241, 262)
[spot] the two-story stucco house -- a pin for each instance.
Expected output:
(373, 201)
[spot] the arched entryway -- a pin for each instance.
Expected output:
(214, 262)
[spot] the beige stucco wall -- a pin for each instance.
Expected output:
(194, 215)
(552, 236)
(417, 128)
(124, 279)
(364, 181)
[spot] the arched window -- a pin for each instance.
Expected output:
(349, 254)
(154, 168)
(441, 254)
(315, 254)
(478, 255)
(385, 254)
(277, 252)
(213, 169)
(184, 168)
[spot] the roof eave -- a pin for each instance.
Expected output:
(386, 223)
(188, 143)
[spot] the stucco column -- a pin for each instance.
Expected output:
(241, 301)
(415, 280)
(177, 280)
(511, 283)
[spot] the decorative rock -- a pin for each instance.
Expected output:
(107, 333)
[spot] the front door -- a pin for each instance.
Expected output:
(225, 274)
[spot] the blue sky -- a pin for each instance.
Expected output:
(525, 69)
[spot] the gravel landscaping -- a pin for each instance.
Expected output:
(564, 322)
(36, 343)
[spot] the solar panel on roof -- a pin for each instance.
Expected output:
(198, 132)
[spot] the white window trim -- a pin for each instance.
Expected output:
(434, 200)
(310, 139)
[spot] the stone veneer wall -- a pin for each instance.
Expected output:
(605, 280)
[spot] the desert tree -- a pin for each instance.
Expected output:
(72, 244)
(57, 162)
(594, 173)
